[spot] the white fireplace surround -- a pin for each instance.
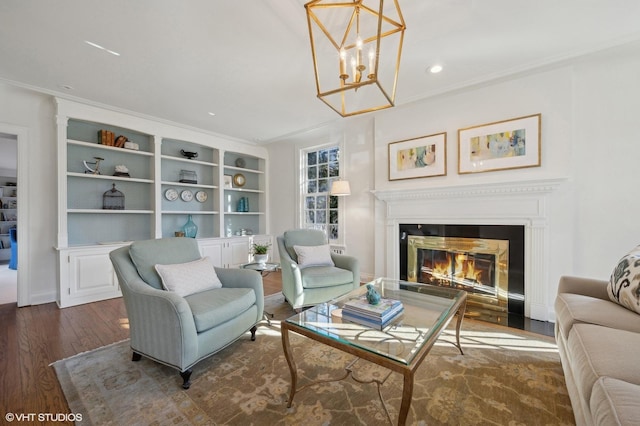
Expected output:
(514, 203)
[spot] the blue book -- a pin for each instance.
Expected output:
(379, 310)
(373, 323)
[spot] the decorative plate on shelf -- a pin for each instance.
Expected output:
(239, 179)
(240, 162)
(171, 194)
(201, 196)
(186, 195)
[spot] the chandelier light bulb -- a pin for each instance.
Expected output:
(372, 59)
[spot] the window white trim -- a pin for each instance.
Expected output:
(302, 186)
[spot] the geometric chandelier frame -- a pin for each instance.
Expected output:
(356, 47)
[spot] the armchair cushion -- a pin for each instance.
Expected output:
(313, 255)
(148, 253)
(302, 237)
(214, 307)
(190, 277)
(325, 276)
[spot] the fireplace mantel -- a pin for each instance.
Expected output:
(512, 203)
(540, 186)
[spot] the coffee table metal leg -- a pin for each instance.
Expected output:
(288, 354)
(407, 394)
(460, 313)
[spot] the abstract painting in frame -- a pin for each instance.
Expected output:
(420, 157)
(508, 144)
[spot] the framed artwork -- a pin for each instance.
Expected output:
(227, 181)
(508, 144)
(421, 157)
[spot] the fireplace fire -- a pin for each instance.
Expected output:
(486, 261)
(471, 271)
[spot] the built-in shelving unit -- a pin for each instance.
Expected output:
(163, 189)
(252, 170)
(8, 214)
(201, 196)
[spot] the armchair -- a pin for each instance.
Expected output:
(180, 331)
(309, 285)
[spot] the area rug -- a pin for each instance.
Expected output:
(505, 377)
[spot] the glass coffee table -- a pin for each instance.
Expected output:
(400, 346)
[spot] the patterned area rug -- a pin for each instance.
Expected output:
(506, 377)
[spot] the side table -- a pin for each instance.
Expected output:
(264, 269)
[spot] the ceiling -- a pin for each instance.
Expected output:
(249, 61)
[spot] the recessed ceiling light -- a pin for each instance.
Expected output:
(212, 113)
(97, 46)
(435, 69)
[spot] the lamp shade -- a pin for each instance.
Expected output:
(340, 187)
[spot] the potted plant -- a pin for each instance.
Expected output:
(260, 252)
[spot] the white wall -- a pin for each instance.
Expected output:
(36, 112)
(356, 134)
(589, 136)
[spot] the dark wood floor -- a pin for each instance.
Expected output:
(31, 338)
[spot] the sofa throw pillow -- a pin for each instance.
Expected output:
(313, 255)
(624, 284)
(189, 278)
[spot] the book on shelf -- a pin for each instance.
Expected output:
(377, 323)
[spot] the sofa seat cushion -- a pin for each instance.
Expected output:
(615, 402)
(213, 307)
(325, 276)
(576, 309)
(597, 351)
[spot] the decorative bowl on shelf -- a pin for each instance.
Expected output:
(189, 154)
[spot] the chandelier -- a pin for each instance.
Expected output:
(356, 47)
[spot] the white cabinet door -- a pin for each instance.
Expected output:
(237, 252)
(226, 252)
(214, 250)
(87, 276)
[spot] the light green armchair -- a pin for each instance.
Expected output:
(181, 331)
(309, 285)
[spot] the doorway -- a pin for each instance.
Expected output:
(8, 218)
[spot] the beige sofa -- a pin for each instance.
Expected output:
(599, 344)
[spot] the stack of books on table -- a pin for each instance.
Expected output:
(375, 316)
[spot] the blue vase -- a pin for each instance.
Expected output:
(190, 229)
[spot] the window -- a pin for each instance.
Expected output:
(320, 167)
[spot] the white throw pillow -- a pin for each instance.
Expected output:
(313, 255)
(189, 278)
(624, 284)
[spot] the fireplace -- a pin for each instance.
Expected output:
(487, 261)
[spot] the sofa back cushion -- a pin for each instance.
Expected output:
(146, 254)
(624, 284)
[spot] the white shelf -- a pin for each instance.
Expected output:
(106, 211)
(244, 213)
(186, 160)
(109, 148)
(191, 185)
(194, 212)
(241, 169)
(105, 177)
(256, 191)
